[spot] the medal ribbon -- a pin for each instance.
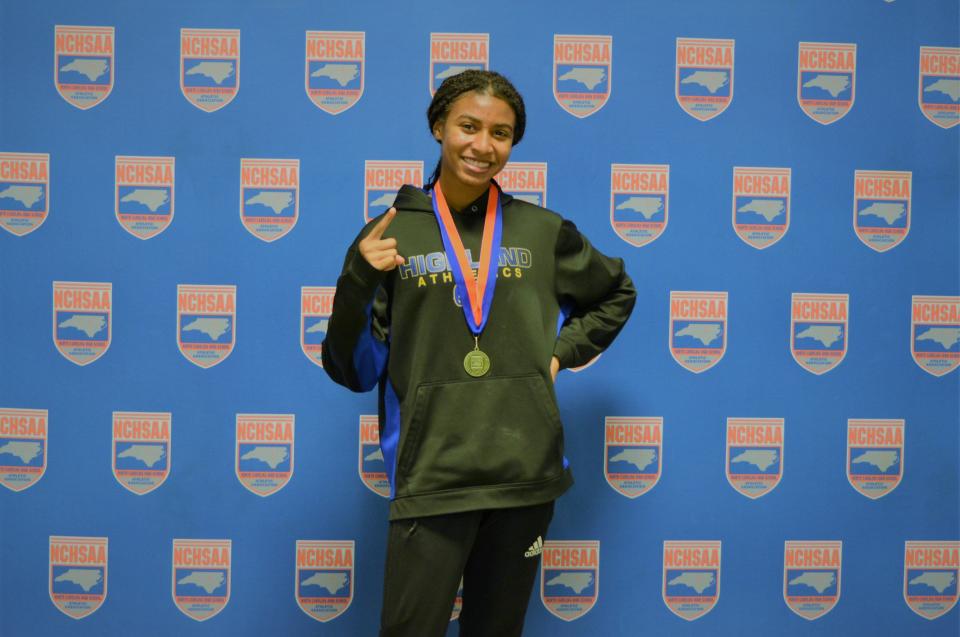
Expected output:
(479, 289)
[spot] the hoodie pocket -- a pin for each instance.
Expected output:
(481, 432)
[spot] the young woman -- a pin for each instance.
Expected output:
(461, 304)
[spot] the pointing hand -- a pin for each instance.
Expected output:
(379, 252)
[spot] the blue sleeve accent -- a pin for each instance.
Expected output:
(369, 356)
(390, 438)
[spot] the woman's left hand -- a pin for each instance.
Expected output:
(554, 368)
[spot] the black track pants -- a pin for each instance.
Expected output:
(427, 556)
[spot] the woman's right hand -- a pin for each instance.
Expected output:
(379, 252)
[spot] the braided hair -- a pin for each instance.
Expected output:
(486, 82)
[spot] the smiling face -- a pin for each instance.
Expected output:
(476, 138)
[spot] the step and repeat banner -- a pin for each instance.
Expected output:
(781, 179)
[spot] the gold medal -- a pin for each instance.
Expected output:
(477, 363)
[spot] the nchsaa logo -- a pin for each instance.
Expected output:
(335, 63)
(83, 63)
(811, 577)
(209, 67)
(761, 205)
(78, 574)
(141, 449)
(935, 333)
(826, 80)
(818, 330)
(382, 180)
(881, 207)
(704, 76)
(632, 453)
(939, 88)
(570, 577)
(82, 325)
(874, 455)
(200, 582)
(754, 455)
(454, 53)
(269, 196)
(324, 577)
(526, 181)
(691, 577)
(265, 451)
(316, 306)
(698, 329)
(23, 447)
(582, 72)
(24, 191)
(143, 195)
(930, 574)
(639, 201)
(206, 322)
(370, 462)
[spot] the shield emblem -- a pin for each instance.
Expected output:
(761, 205)
(141, 450)
(639, 201)
(324, 577)
(316, 306)
(570, 577)
(632, 454)
(935, 333)
(370, 462)
(582, 72)
(83, 64)
(874, 455)
(826, 80)
(209, 67)
(930, 574)
(938, 92)
(818, 330)
(454, 53)
(382, 180)
(691, 577)
(526, 181)
(143, 195)
(82, 325)
(78, 574)
(335, 62)
(704, 76)
(269, 196)
(811, 577)
(206, 322)
(23, 447)
(698, 329)
(24, 191)
(754, 455)
(881, 207)
(201, 577)
(264, 452)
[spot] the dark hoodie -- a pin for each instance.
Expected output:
(452, 442)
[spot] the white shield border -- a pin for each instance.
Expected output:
(412, 164)
(236, 61)
(486, 63)
(853, 82)
(109, 324)
(783, 432)
(913, 350)
(173, 580)
(596, 580)
(233, 328)
(116, 196)
(45, 158)
(676, 84)
(106, 552)
(46, 443)
(303, 317)
(296, 582)
(363, 71)
(296, 204)
(787, 212)
(906, 232)
(723, 352)
(907, 601)
(56, 67)
(609, 65)
(236, 455)
(839, 578)
(903, 427)
(606, 472)
(663, 589)
(920, 87)
(360, 456)
(846, 338)
(666, 211)
(113, 454)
